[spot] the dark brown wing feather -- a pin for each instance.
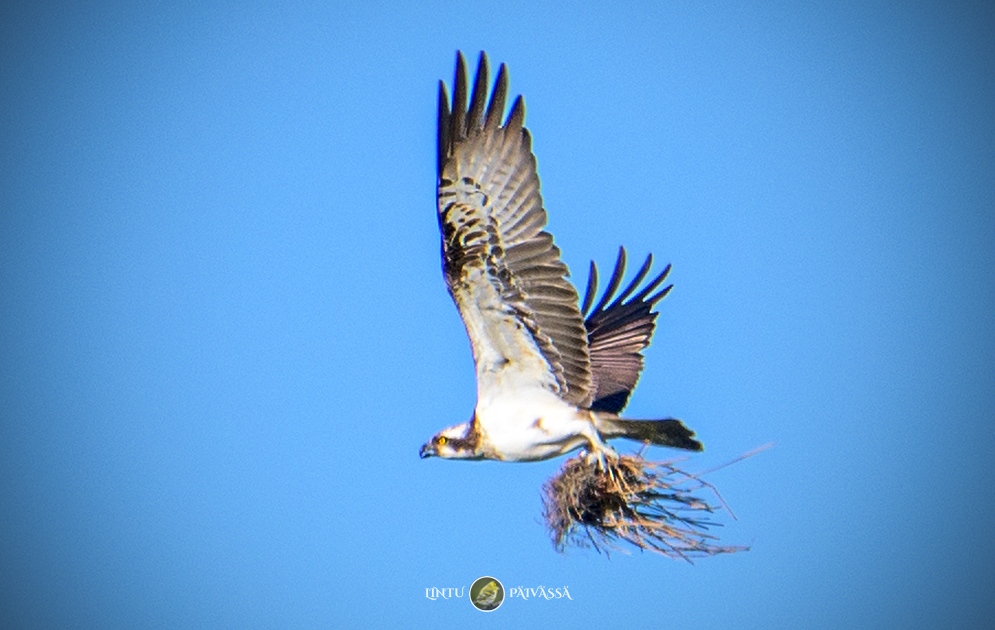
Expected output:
(618, 332)
(502, 269)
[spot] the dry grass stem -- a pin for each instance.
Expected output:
(652, 506)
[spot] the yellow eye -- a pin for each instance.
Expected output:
(442, 440)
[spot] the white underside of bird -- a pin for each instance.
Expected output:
(533, 424)
(520, 417)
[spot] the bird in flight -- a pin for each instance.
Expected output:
(552, 375)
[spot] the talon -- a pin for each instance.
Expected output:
(601, 457)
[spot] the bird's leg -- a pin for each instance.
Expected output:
(599, 452)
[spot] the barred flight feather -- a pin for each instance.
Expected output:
(491, 217)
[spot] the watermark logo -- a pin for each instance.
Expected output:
(486, 594)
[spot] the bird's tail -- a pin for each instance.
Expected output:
(667, 432)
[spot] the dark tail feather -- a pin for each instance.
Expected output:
(669, 432)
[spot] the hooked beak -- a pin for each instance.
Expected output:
(427, 450)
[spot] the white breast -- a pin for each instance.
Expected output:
(530, 424)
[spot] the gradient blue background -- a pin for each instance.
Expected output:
(225, 333)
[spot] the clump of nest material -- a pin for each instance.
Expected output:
(652, 506)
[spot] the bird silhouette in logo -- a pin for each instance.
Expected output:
(488, 595)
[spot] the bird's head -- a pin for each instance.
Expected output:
(460, 441)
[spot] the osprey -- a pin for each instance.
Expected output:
(552, 376)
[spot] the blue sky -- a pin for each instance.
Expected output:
(225, 333)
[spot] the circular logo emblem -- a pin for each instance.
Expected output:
(486, 594)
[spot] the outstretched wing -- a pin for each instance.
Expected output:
(502, 269)
(618, 332)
